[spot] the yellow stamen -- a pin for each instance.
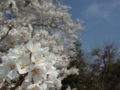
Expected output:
(35, 71)
(37, 59)
(22, 65)
(33, 48)
(11, 66)
(33, 89)
(50, 61)
(19, 51)
(1, 80)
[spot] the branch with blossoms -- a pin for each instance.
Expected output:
(36, 44)
(28, 67)
(10, 27)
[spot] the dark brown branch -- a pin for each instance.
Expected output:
(6, 34)
(20, 81)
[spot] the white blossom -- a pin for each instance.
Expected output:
(68, 88)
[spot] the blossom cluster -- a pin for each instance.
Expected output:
(54, 22)
(36, 43)
(29, 67)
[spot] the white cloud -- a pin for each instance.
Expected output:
(101, 10)
(93, 8)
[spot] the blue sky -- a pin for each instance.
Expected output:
(101, 20)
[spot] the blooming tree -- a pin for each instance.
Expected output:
(36, 42)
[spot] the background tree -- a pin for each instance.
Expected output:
(105, 66)
(76, 81)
